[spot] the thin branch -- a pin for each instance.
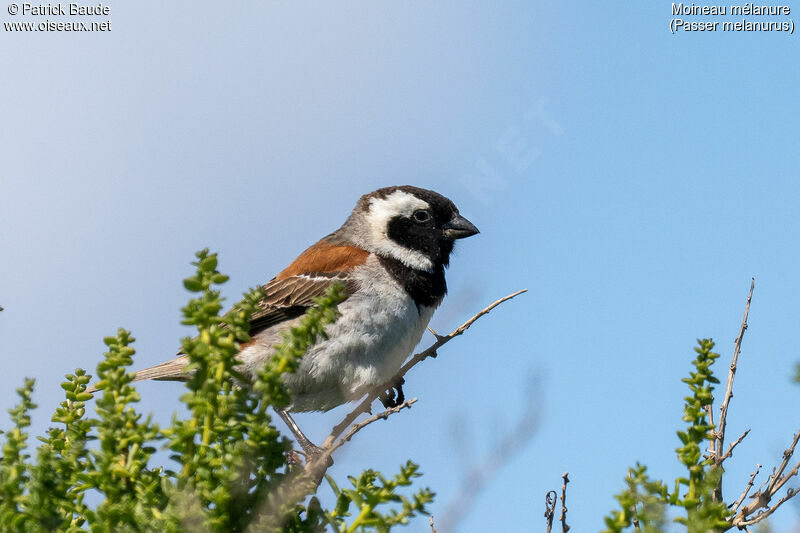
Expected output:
(563, 517)
(767, 491)
(711, 451)
(764, 514)
(366, 403)
(749, 486)
(355, 428)
(433, 526)
(550, 508)
(720, 432)
(793, 472)
(317, 467)
(433, 332)
(732, 446)
(743, 515)
(777, 481)
(769, 478)
(306, 481)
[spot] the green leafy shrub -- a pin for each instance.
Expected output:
(230, 471)
(644, 501)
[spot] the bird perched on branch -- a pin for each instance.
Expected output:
(390, 254)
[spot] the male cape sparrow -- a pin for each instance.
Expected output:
(390, 254)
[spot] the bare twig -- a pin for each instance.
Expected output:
(710, 412)
(737, 348)
(712, 437)
(778, 480)
(769, 478)
(433, 527)
(761, 499)
(732, 446)
(305, 481)
(563, 517)
(764, 514)
(749, 486)
(317, 467)
(743, 516)
(433, 332)
(719, 433)
(355, 428)
(366, 403)
(550, 508)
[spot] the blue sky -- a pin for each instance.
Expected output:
(633, 180)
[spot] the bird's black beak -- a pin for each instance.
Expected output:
(459, 227)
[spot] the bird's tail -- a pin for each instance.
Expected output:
(172, 370)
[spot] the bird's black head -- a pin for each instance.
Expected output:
(414, 226)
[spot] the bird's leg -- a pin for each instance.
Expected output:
(390, 398)
(311, 450)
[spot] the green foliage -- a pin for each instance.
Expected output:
(645, 500)
(14, 475)
(703, 513)
(642, 500)
(55, 501)
(232, 473)
(371, 490)
(295, 343)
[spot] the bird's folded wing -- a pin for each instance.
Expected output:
(290, 297)
(287, 296)
(292, 291)
(284, 299)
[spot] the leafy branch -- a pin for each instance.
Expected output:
(699, 494)
(230, 470)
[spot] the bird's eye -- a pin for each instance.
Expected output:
(421, 216)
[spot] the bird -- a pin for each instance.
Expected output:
(390, 254)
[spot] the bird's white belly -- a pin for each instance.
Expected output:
(378, 328)
(365, 348)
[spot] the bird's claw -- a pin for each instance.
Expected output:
(393, 396)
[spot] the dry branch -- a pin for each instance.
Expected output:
(718, 435)
(732, 446)
(550, 508)
(366, 404)
(759, 508)
(316, 468)
(306, 480)
(738, 503)
(763, 496)
(723, 410)
(563, 518)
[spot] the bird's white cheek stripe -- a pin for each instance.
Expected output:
(381, 211)
(410, 258)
